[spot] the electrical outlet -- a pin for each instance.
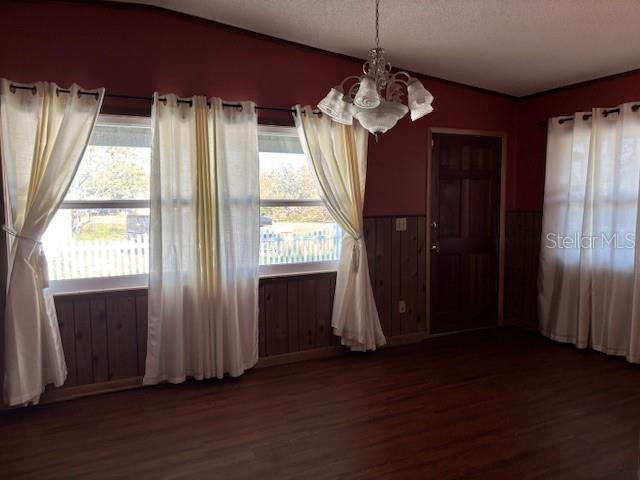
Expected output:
(401, 224)
(402, 307)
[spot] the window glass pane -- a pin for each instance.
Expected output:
(292, 234)
(115, 165)
(285, 173)
(298, 235)
(97, 242)
(286, 141)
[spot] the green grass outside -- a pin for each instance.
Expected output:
(101, 231)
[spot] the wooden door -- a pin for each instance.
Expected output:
(465, 214)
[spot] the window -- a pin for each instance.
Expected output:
(99, 238)
(297, 232)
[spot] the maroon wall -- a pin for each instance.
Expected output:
(136, 50)
(532, 138)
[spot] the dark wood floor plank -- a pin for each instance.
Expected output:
(496, 404)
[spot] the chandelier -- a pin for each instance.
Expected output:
(375, 98)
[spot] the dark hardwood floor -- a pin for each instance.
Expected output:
(497, 404)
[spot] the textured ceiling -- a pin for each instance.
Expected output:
(516, 47)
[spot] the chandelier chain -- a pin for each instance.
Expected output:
(377, 23)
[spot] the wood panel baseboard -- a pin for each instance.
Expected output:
(70, 393)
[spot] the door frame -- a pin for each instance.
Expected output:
(502, 214)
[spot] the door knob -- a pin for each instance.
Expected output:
(435, 248)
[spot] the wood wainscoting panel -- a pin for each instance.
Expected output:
(409, 277)
(66, 323)
(99, 348)
(397, 265)
(276, 320)
(293, 318)
(381, 250)
(104, 334)
(262, 338)
(84, 352)
(522, 255)
(142, 318)
(395, 281)
(307, 307)
(122, 338)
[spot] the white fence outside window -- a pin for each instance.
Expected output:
(76, 259)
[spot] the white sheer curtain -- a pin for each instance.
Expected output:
(338, 155)
(203, 290)
(43, 134)
(589, 279)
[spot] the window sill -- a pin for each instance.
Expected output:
(81, 286)
(98, 285)
(296, 269)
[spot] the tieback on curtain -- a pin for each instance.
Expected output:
(37, 247)
(355, 252)
(13, 233)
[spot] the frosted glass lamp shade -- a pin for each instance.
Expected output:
(335, 106)
(419, 100)
(383, 117)
(367, 96)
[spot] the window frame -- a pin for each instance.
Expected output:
(291, 269)
(116, 282)
(137, 281)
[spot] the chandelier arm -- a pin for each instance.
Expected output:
(366, 67)
(394, 78)
(351, 77)
(352, 91)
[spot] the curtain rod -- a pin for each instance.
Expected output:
(586, 116)
(150, 99)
